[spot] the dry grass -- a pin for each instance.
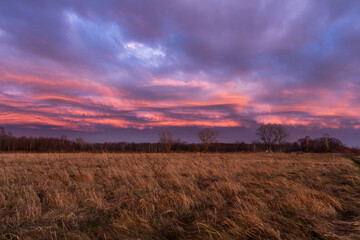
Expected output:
(178, 196)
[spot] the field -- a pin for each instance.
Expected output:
(178, 196)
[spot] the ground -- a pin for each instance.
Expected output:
(179, 196)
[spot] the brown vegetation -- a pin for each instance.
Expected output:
(178, 196)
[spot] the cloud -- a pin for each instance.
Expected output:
(142, 65)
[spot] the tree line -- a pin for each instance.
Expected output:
(270, 138)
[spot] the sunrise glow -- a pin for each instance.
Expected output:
(81, 68)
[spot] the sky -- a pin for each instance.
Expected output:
(127, 70)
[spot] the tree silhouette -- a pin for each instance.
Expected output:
(280, 134)
(267, 134)
(207, 136)
(2, 132)
(326, 141)
(166, 140)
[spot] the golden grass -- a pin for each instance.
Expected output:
(178, 196)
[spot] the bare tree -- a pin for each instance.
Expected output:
(123, 145)
(80, 142)
(267, 134)
(253, 143)
(207, 136)
(326, 141)
(280, 134)
(2, 136)
(307, 139)
(2, 132)
(166, 139)
(63, 138)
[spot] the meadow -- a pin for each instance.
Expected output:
(179, 196)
